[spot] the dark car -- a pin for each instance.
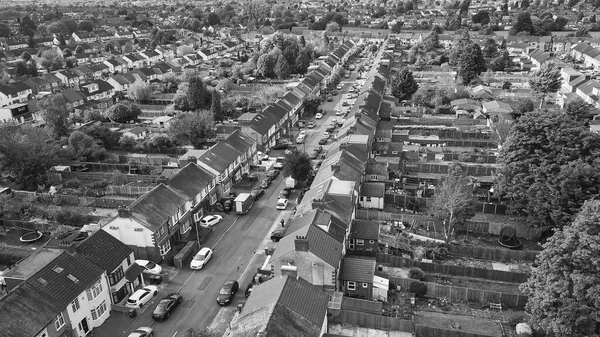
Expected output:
(281, 145)
(166, 306)
(323, 141)
(227, 292)
(277, 234)
(272, 174)
(284, 194)
(256, 193)
(249, 290)
(265, 183)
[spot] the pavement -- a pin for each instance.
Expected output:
(356, 331)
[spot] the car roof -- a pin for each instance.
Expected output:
(208, 217)
(204, 250)
(282, 200)
(229, 283)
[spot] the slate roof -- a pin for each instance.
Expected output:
(191, 179)
(62, 286)
(71, 95)
(284, 306)
(104, 250)
(25, 312)
(365, 229)
(225, 152)
(156, 207)
(372, 189)
(358, 269)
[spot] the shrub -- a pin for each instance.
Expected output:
(418, 288)
(416, 273)
(99, 184)
(516, 318)
(66, 217)
(437, 253)
(72, 183)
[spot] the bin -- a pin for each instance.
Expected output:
(132, 313)
(156, 279)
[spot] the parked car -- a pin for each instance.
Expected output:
(284, 194)
(248, 290)
(262, 156)
(227, 292)
(302, 133)
(166, 306)
(340, 86)
(272, 174)
(326, 134)
(329, 99)
(149, 267)
(323, 141)
(279, 163)
(210, 220)
(282, 204)
(201, 258)
(265, 183)
(311, 124)
(141, 296)
(338, 112)
(256, 193)
(142, 331)
(345, 103)
(319, 116)
(282, 144)
(277, 234)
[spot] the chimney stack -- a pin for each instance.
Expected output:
(301, 243)
(124, 211)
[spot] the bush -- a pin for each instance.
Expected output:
(418, 288)
(72, 183)
(416, 273)
(515, 318)
(66, 217)
(99, 184)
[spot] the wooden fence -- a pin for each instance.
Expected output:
(127, 190)
(78, 201)
(493, 254)
(442, 168)
(428, 331)
(462, 135)
(494, 228)
(376, 215)
(372, 321)
(120, 179)
(461, 271)
(148, 160)
(482, 296)
(486, 158)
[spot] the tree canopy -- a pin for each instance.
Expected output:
(545, 80)
(55, 114)
(549, 167)
(564, 289)
(194, 127)
(297, 165)
(123, 113)
(404, 85)
(471, 63)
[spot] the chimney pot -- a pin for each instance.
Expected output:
(301, 244)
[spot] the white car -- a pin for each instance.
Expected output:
(149, 267)
(282, 203)
(326, 134)
(302, 133)
(279, 163)
(340, 87)
(142, 331)
(262, 156)
(338, 112)
(141, 296)
(210, 220)
(201, 258)
(319, 116)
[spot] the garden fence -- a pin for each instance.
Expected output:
(462, 135)
(427, 331)
(485, 158)
(127, 190)
(78, 200)
(117, 179)
(372, 321)
(482, 296)
(442, 168)
(148, 160)
(461, 271)
(494, 228)
(493, 254)
(26, 225)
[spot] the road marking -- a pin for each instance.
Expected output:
(174, 334)
(227, 231)
(186, 281)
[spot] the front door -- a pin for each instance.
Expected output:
(83, 326)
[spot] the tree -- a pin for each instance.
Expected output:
(523, 23)
(302, 62)
(490, 48)
(431, 41)
(215, 106)
(4, 30)
(545, 80)
(578, 109)
(564, 289)
(84, 148)
(482, 17)
(194, 127)
(525, 106)
(108, 138)
(524, 3)
(55, 113)
(333, 27)
(454, 200)
(297, 165)
(404, 85)
(463, 40)
(123, 113)
(265, 64)
(191, 332)
(471, 64)
(27, 153)
(56, 27)
(196, 94)
(71, 25)
(397, 27)
(547, 167)
(79, 49)
(139, 91)
(86, 25)
(282, 68)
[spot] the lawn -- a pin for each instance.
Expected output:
(468, 324)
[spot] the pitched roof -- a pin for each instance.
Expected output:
(283, 306)
(365, 229)
(225, 152)
(65, 278)
(358, 269)
(26, 311)
(372, 189)
(104, 250)
(191, 179)
(156, 207)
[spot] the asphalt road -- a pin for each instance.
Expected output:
(238, 243)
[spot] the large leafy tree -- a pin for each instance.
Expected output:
(196, 94)
(578, 109)
(404, 85)
(55, 113)
(471, 63)
(546, 80)
(549, 167)
(454, 200)
(139, 91)
(462, 40)
(297, 165)
(215, 106)
(282, 68)
(123, 113)
(564, 289)
(27, 152)
(194, 127)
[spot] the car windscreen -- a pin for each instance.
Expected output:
(225, 291)
(150, 265)
(199, 257)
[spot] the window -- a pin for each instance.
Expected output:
(373, 177)
(185, 228)
(351, 285)
(75, 305)
(368, 199)
(94, 291)
(99, 311)
(365, 285)
(360, 242)
(115, 277)
(59, 322)
(371, 241)
(161, 231)
(164, 249)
